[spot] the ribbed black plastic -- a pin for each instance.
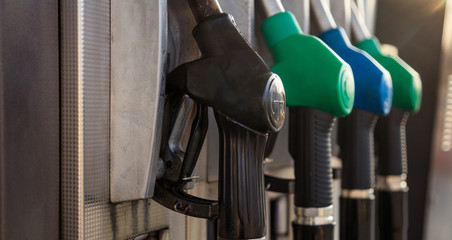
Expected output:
(356, 140)
(310, 147)
(392, 210)
(272, 136)
(357, 219)
(391, 140)
(305, 232)
(241, 189)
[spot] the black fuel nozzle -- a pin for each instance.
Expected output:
(249, 102)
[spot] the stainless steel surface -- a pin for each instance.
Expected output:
(359, 27)
(392, 183)
(314, 216)
(323, 15)
(340, 9)
(269, 8)
(86, 210)
(29, 120)
(358, 193)
(138, 53)
(179, 138)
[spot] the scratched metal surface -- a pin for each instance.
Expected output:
(138, 54)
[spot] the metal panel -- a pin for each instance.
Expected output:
(87, 212)
(138, 52)
(29, 122)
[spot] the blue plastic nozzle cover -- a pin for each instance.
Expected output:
(373, 84)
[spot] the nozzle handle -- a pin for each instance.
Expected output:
(241, 185)
(391, 139)
(310, 147)
(356, 138)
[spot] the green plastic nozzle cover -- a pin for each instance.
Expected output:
(313, 75)
(407, 86)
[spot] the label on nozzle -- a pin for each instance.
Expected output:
(275, 102)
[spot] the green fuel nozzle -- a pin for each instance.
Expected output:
(319, 85)
(407, 86)
(312, 74)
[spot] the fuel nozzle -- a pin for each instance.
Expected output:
(373, 85)
(407, 87)
(391, 134)
(249, 102)
(319, 87)
(301, 61)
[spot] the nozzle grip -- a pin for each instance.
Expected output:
(310, 147)
(391, 139)
(241, 185)
(306, 232)
(356, 139)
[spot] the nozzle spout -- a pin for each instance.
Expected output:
(358, 25)
(204, 8)
(323, 14)
(269, 8)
